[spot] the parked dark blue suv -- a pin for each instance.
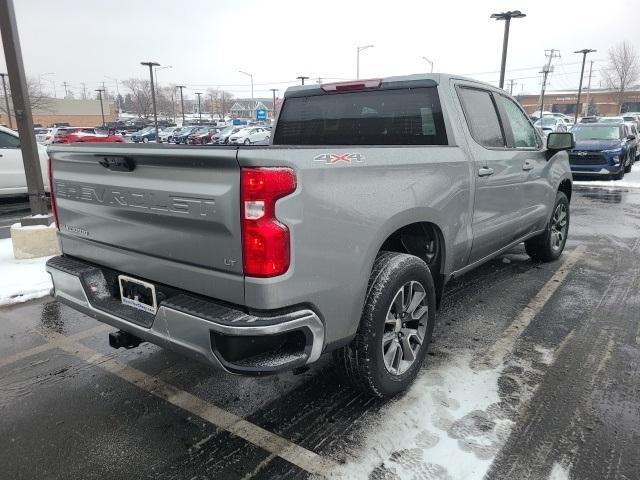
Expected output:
(602, 149)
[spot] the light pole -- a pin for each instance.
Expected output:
(430, 63)
(153, 93)
(253, 103)
(302, 78)
(181, 101)
(199, 110)
(6, 99)
(506, 16)
(100, 90)
(584, 52)
(274, 90)
(359, 49)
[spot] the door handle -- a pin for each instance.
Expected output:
(527, 165)
(485, 171)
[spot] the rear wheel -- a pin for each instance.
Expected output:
(145, 140)
(548, 246)
(395, 328)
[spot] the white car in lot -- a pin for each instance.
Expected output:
(166, 133)
(12, 178)
(250, 135)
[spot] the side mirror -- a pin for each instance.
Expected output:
(557, 141)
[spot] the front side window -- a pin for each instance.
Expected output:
(482, 117)
(9, 141)
(404, 116)
(524, 135)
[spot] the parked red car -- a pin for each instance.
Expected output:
(202, 136)
(79, 137)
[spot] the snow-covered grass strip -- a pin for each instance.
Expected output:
(21, 280)
(630, 180)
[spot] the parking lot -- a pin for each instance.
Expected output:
(533, 374)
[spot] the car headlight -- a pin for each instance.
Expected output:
(616, 151)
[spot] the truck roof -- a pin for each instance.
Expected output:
(428, 79)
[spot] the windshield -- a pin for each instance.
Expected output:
(592, 132)
(547, 121)
(611, 120)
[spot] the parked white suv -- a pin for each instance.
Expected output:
(250, 135)
(12, 178)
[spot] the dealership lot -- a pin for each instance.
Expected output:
(533, 372)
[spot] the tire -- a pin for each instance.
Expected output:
(627, 167)
(363, 362)
(619, 175)
(247, 142)
(145, 140)
(548, 246)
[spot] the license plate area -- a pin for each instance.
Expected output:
(138, 294)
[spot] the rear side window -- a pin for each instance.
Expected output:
(482, 117)
(410, 116)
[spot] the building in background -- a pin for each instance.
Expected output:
(245, 108)
(603, 102)
(78, 113)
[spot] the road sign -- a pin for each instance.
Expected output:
(261, 114)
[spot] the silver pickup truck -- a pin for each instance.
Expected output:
(338, 237)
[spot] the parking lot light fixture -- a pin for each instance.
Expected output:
(302, 78)
(359, 49)
(100, 90)
(584, 58)
(253, 102)
(274, 90)
(153, 93)
(506, 16)
(6, 98)
(181, 100)
(430, 63)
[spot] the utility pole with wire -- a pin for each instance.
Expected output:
(6, 99)
(84, 91)
(212, 104)
(586, 108)
(181, 101)
(553, 53)
(511, 84)
(584, 58)
(66, 92)
(222, 105)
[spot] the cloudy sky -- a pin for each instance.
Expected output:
(207, 43)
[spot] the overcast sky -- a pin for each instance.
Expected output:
(207, 42)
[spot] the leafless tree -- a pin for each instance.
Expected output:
(40, 101)
(623, 70)
(140, 95)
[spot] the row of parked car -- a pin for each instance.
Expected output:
(206, 135)
(605, 147)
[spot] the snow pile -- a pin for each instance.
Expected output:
(448, 425)
(21, 280)
(630, 180)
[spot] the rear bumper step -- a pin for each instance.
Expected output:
(215, 333)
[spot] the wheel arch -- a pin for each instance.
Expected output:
(566, 187)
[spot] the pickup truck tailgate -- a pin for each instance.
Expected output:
(169, 215)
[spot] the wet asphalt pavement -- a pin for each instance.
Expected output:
(563, 403)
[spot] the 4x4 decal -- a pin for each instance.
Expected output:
(333, 158)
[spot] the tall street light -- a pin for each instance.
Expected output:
(181, 100)
(359, 49)
(506, 16)
(584, 57)
(274, 90)
(199, 110)
(430, 63)
(253, 103)
(302, 78)
(6, 99)
(153, 93)
(100, 90)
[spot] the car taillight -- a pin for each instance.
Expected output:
(52, 197)
(265, 241)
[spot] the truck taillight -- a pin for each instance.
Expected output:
(265, 241)
(52, 197)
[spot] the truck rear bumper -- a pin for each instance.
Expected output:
(218, 334)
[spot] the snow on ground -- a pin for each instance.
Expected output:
(449, 425)
(630, 180)
(21, 280)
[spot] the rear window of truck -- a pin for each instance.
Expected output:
(410, 116)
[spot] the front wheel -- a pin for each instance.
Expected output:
(548, 246)
(627, 167)
(395, 328)
(145, 140)
(247, 142)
